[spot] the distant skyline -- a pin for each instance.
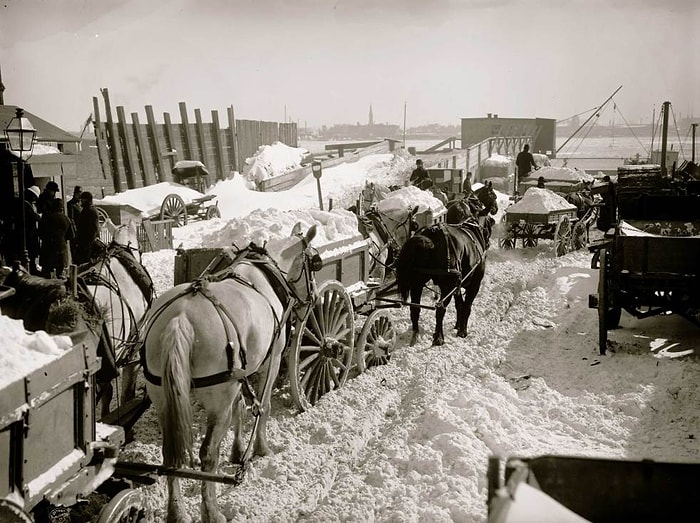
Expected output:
(321, 62)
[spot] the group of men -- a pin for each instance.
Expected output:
(52, 238)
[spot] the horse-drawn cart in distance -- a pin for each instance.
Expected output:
(192, 174)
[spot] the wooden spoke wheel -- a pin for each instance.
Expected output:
(562, 236)
(11, 512)
(174, 208)
(126, 507)
(609, 312)
(376, 341)
(530, 235)
(579, 236)
(507, 241)
(322, 347)
(213, 212)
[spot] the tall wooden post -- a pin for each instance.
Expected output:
(189, 149)
(234, 140)
(127, 149)
(114, 149)
(156, 144)
(101, 140)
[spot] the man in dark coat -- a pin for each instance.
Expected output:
(525, 163)
(87, 229)
(49, 193)
(420, 177)
(55, 232)
(73, 209)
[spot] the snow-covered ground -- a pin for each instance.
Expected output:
(409, 441)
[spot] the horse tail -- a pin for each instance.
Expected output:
(178, 340)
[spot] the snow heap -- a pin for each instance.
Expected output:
(24, 352)
(149, 199)
(561, 174)
(407, 197)
(273, 160)
(274, 227)
(540, 201)
(541, 159)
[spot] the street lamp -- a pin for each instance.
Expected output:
(20, 139)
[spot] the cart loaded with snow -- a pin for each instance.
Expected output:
(57, 460)
(347, 328)
(649, 262)
(561, 211)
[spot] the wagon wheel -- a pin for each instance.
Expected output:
(579, 236)
(11, 512)
(322, 346)
(126, 507)
(530, 235)
(507, 241)
(376, 341)
(608, 312)
(212, 212)
(562, 236)
(174, 208)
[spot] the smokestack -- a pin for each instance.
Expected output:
(488, 115)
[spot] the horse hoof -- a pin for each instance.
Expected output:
(414, 339)
(461, 334)
(438, 341)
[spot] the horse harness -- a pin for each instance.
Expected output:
(90, 276)
(251, 256)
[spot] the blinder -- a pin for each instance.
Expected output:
(315, 262)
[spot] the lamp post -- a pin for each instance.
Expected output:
(20, 138)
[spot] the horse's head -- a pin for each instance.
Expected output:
(127, 236)
(302, 260)
(487, 196)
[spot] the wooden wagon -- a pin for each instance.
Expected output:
(192, 174)
(53, 453)
(649, 263)
(575, 489)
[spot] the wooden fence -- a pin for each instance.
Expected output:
(138, 154)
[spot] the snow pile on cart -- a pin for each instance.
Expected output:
(23, 352)
(273, 227)
(149, 199)
(407, 197)
(540, 201)
(273, 160)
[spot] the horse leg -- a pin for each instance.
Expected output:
(462, 315)
(439, 335)
(129, 382)
(218, 405)
(237, 448)
(416, 293)
(176, 507)
(470, 293)
(262, 448)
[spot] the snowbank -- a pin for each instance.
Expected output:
(561, 174)
(407, 197)
(273, 160)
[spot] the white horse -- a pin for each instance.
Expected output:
(205, 339)
(118, 287)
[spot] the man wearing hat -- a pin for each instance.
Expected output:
(49, 194)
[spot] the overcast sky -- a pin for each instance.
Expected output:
(326, 61)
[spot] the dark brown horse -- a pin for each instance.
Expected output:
(454, 258)
(481, 202)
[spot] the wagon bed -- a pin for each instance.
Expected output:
(52, 451)
(650, 263)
